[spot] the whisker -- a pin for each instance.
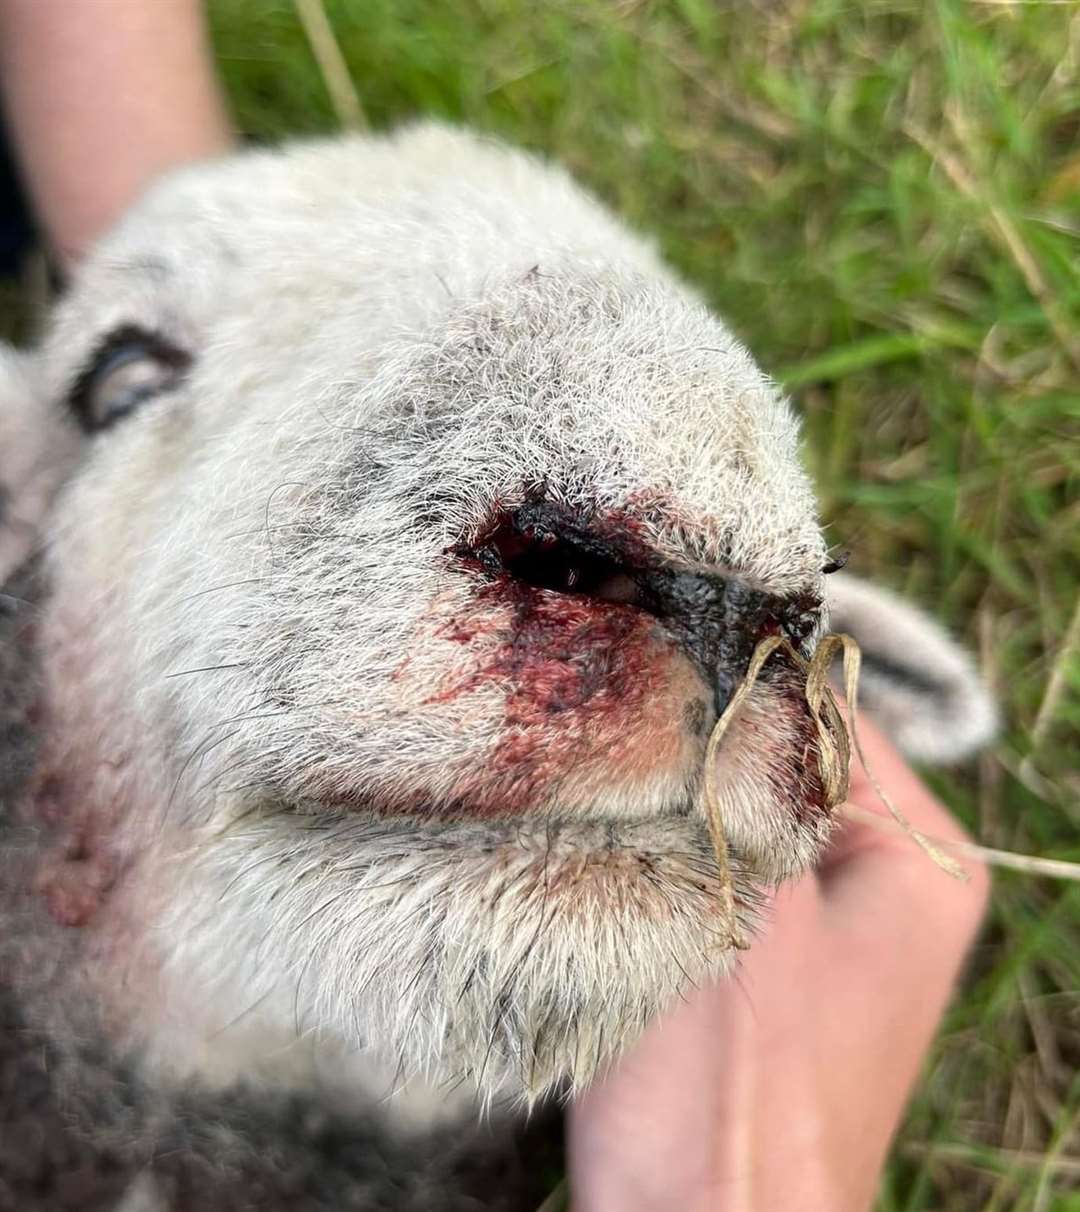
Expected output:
(218, 588)
(183, 673)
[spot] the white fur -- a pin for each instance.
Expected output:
(941, 725)
(35, 448)
(253, 645)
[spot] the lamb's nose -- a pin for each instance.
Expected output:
(717, 620)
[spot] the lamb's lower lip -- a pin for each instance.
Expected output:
(679, 838)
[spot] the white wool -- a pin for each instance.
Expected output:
(250, 640)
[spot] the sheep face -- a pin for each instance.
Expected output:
(420, 528)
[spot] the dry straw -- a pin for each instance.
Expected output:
(834, 755)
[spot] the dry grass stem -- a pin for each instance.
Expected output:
(711, 799)
(335, 71)
(1030, 864)
(834, 755)
(1055, 684)
(852, 662)
(983, 1158)
(1006, 232)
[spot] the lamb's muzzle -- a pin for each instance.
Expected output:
(417, 524)
(716, 619)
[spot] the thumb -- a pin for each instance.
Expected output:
(878, 877)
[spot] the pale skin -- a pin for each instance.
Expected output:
(780, 1089)
(102, 96)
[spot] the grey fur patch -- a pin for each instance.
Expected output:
(18, 682)
(918, 680)
(76, 1131)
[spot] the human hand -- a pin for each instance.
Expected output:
(781, 1088)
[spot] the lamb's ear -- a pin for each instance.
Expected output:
(919, 684)
(37, 447)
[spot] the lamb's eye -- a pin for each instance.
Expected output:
(129, 369)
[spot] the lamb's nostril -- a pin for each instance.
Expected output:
(618, 587)
(546, 546)
(716, 618)
(549, 561)
(723, 687)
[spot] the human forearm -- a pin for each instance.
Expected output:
(101, 98)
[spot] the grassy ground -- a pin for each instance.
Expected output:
(884, 199)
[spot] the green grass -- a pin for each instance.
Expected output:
(883, 198)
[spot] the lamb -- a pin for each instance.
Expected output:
(385, 528)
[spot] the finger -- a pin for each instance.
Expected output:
(881, 873)
(644, 1136)
(639, 1137)
(920, 807)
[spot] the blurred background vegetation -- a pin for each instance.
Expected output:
(883, 198)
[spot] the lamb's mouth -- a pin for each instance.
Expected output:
(539, 948)
(679, 820)
(663, 863)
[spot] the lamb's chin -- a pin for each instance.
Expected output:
(488, 955)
